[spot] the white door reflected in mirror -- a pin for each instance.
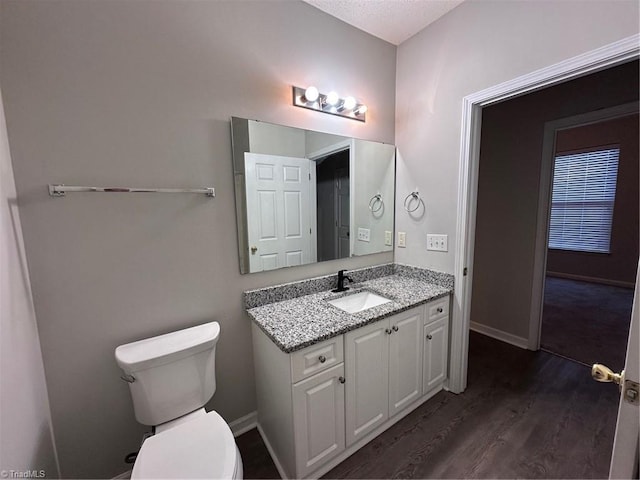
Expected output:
(278, 197)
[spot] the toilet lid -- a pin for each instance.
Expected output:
(201, 448)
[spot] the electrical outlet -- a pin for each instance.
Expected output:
(438, 243)
(402, 239)
(364, 234)
(388, 237)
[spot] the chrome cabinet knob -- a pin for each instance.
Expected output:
(429, 337)
(341, 379)
(395, 328)
(322, 358)
(387, 331)
(439, 309)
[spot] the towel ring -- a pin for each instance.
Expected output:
(376, 200)
(407, 201)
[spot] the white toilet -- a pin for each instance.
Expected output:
(171, 378)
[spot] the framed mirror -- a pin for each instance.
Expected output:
(304, 196)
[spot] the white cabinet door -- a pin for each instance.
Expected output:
(436, 343)
(318, 419)
(405, 359)
(367, 379)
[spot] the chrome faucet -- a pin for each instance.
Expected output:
(341, 278)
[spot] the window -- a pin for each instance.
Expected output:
(584, 191)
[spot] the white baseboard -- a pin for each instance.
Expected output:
(244, 424)
(584, 278)
(499, 335)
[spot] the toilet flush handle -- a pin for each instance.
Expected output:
(128, 378)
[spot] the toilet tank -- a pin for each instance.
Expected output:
(170, 375)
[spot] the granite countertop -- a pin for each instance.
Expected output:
(299, 322)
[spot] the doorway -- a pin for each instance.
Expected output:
(333, 205)
(593, 239)
(510, 150)
(507, 271)
(614, 54)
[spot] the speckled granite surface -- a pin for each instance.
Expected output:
(298, 322)
(287, 291)
(431, 276)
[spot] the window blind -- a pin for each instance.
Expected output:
(584, 191)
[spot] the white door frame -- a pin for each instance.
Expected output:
(544, 204)
(605, 57)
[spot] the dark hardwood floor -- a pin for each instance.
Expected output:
(524, 415)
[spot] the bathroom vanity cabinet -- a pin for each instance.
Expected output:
(318, 405)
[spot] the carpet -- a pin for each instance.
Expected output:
(586, 322)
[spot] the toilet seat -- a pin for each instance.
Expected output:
(200, 448)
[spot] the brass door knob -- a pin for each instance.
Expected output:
(254, 250)
(602, 373)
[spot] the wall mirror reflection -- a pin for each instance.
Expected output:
(304, 196)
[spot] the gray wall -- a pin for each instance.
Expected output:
(140, 94)
(475, 46)
(508, 184)
(374, 173)
(270, 139)
(26, 439)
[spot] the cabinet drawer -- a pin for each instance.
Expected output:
(437, 309)
(316, 358)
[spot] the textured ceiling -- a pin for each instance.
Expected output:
(392, 20)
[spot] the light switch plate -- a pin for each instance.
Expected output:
(438, 243)
(388, 237)
(402, 239)
(364, 234)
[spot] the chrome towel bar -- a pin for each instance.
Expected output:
(61, 190)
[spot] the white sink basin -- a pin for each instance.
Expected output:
(358, 302)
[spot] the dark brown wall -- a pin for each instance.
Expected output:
(508, 184)
(619, 265)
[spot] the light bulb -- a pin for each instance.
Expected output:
(332, 99)
(349, 103)
(362, 109)
(311, 94)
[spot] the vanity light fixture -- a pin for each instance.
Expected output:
(331, 102)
